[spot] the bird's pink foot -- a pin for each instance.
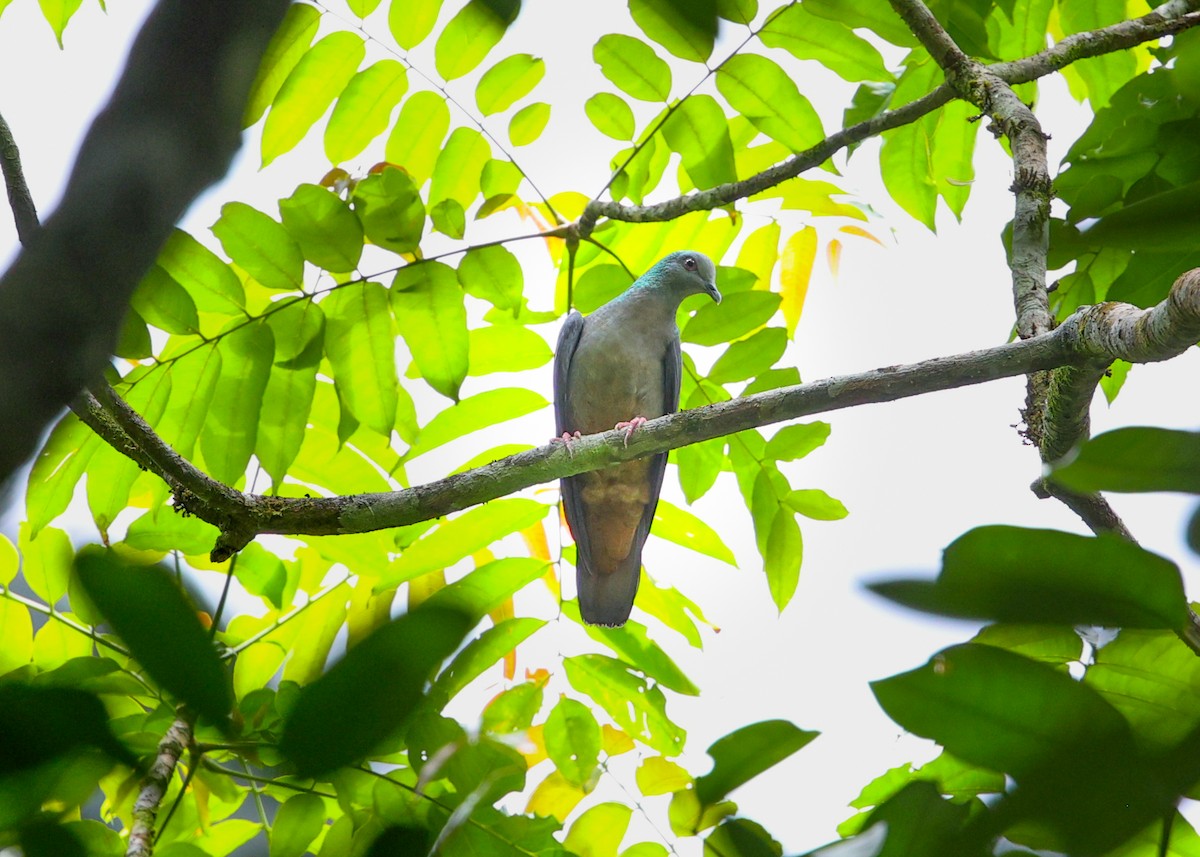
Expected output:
(566, 440)
(630, 426)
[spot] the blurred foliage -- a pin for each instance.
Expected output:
(328, 345)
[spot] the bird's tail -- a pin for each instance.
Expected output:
(607, 598)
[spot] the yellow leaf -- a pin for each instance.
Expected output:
(538, 740)
(368, 610)
(420, 588)
(833, 254)
(861, 233)
(798, 256)
(614, 741)
(535, 539)
(760, 252)
(554, 797)
(504, 610)
(659, 776)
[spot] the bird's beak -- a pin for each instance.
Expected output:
(711, 289)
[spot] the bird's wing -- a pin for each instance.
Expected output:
(568, 340)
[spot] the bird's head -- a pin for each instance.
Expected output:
(688, 273)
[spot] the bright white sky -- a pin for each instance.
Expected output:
(915, 474)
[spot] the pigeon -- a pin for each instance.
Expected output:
(619, 367)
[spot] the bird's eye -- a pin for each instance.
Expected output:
(689, 263)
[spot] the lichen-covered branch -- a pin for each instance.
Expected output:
(1169, 18)
(1080, 341)
(170, 130)
(154, 786)
(19, 200)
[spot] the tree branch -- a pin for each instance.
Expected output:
(19, 200)
(154, 787)
(1103, 332)
(1169, 18)
(170, 130)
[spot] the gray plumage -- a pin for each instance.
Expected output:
(621, 362)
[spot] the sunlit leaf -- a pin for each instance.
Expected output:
(807, 36)
(659, 776)
(296, 824)
(285, 49)
(473, 413)
(764, 93)
(799, 253)
(258, 244)
(506, 348)
(481, 654)
(633, 67)
(456, 175)
(416, 138)
(231, 424)
(781, 559)
(390, 208)
(572, 738)
(507, 82)
(489, 585)
(411, 21)
(683, 528)
(686, 28)
(635, 706)
(359, 344)
(471, 34)
(528, 123)
(735, 316)
(211, 283)
(1135, 459)
(699, 132)
(329, 234)
(749, 357)
(363, 109)
(320, 75)
(432, 318)
(165, 304)
(598, 832)
(611, 115)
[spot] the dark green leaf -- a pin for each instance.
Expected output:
(921, 823)
(46, 839)
(1135, 459)
(145, 606)
(38, 724)
(686, 28)
(165, 304)
(1014, 574)
(343, 715)
(479, 655)
(742, 837)
(745, 753)
(488, 586)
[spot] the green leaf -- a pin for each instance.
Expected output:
(479, 655)
(261, 573)
(211, 283)
(782, 557)
(598, 285)
(320, 75)
(163, 529)
(360, 345)
(258, 244)
(528, 123)
(507, 82)
(1014, 574)
(432, 318)
(699, 465)
(473, 413)
(390, 208)
(165, 304)
(490, 585)
(905, 159)
(493, 274)
(686, 28)
(633, 67)
(145, 606)
(194, 382)
(1135, 460)
(636, 706)
(459, 167)
(816, 504)
(572, 738)
(416, 139)
(231, 425)
(506, 348)
(733, 318)
(685, 529)
(737, 11)
(57, 469)
(611, 115)
(699, 132)
(363, 109)
(658, 776)
(471, 34)
(46, 562)
(499, 179)
(750, 356)
(631, 642)
(412, 21)
(285, 49)
(874, 15)
(797, 440)
(460, 537)
(513, 710)
(362, 8)
(807, 36)
(599, 831)
(39, 723)
(347, 712)
(296, 824)
(329, 234)
(764, 93)
(745, 753)
(291, 387)
(57, 14)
